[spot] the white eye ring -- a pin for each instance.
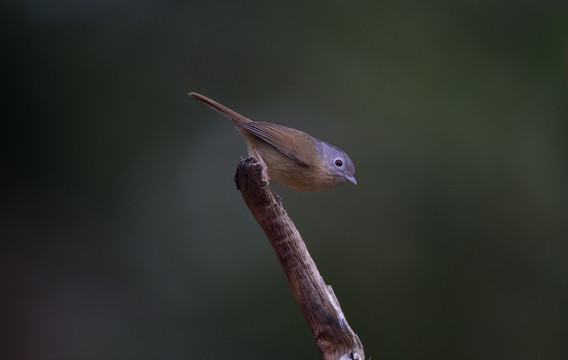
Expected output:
(338, 162)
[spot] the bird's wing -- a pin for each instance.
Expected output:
(288, 141)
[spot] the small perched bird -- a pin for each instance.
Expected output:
(290, 157)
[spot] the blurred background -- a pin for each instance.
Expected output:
(122, 233)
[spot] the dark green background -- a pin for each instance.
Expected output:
(123, 236)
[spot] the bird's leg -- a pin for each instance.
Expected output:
(265, 177)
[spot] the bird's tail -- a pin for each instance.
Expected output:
(237, 118)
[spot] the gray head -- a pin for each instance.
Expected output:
(338, 164)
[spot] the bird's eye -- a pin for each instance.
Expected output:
(338, 162)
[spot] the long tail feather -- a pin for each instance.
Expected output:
(237, 118)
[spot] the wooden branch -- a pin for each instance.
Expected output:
(334, 338)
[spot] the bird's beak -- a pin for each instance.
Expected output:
(351, 179)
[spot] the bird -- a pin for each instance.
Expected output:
(289, 157)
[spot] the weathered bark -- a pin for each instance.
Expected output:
(334, 338)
